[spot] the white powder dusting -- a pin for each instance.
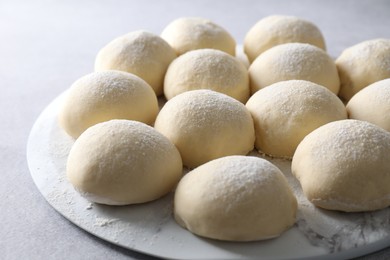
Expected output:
(351, 139)
(206, 108)
(213, 65)
(297, 60)
(291, 27)
(369, 57)
(136, 49)
(191, 33)
(377, 93)
(102, 222)
(206, 29)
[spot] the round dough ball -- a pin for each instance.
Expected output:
(106, 95)
(362, 65)
(192, 33)
(235, 198)
(278, 29)
(207, 69)
(294, 61)
(141, 53)
(205, 125)
(344, 165)
(122, 162)
(285, 112)
(372, 104)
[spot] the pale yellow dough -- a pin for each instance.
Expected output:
(141, 53)
(106, 95)
(363, 64)
(294, 61)
(207, 69)
(344, 165)
(122, 162)
(285, 112)
(235, 198)
(372, 104)
(192, 33)
(205, 125)
(278, 29)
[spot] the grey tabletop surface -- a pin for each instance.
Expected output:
(46, 45)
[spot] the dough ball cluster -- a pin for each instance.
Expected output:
(192, 33)
(344, 165)
(205, 125)
(372, 104)
(283, 102)
(141, 53)
(278, 29)
(207, 69)
(294, 61)
(106, 95)
(285, 112)
(122, 162)
(363, 64)
(236, 198)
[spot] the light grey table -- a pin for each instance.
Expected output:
(46, 45)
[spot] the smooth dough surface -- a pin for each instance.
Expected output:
(278, 29)
(192, 33)
(106, 95)
(363, 64)
(205, 125)
(372, 104)
(285, 112)
(294, 61)
(235, 198)
(141, 53)
(344, 165)
(122, 162)
(241, 56)
(207, 69)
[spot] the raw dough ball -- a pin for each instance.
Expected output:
(278, 29)
(192, 33)
(106, 95)
(205, 125)
(294, 61)
(207, 69)
(372, 104)
(285, 112)
(121, 162)
(141, 53)
(344, 165)
(362, 65)
(236, 198)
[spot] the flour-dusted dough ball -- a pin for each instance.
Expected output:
(235, 198)
(192, 33)
(278, 29)
(363, 64)
(344, 165)
(372, 104)
(141, 53)
(121, 162)
(207, 69)
(106, 95)
(285, 112)
(205, 125)
(294, 61)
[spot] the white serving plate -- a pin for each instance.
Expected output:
(149, 228)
